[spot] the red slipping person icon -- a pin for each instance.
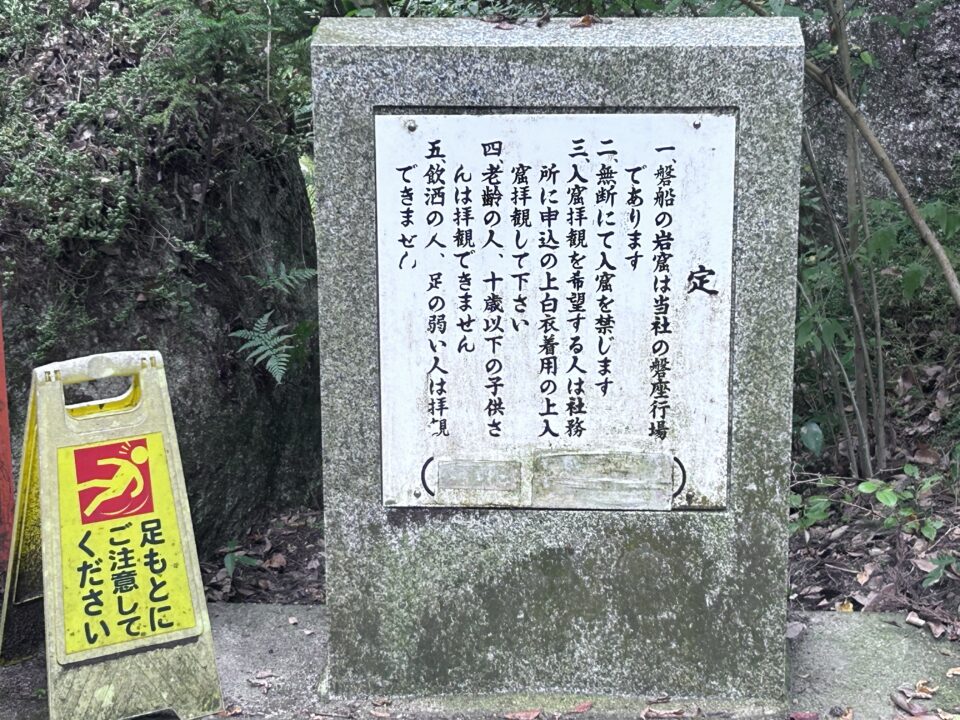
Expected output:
(114, 480)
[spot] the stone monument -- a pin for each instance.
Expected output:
(556, 280)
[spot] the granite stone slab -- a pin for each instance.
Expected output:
(633, 603)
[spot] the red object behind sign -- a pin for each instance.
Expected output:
(114, 481)
(6, 462)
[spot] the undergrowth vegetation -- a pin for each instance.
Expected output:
(123, 126)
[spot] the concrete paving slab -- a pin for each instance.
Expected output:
(271, 668)
(859, 659)
(270, 657)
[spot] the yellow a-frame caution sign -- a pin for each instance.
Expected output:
(103, 547)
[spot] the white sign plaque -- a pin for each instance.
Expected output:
(554, 305)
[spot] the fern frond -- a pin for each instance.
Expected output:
(267, 346)
(284, 281)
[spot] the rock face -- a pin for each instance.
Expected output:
(911, 95)
(246, 443)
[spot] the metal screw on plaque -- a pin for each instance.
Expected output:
(696, 124)
(411, 125)
(416, 494)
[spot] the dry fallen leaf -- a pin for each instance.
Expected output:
(264, 674)
(586, 21)
(906, 381)
(523, 715)
(836, 533)
(845, 606)
(276, 561)
(582, 707)
(953, 672)
(794, 629)
(924, 687)
(936, 629)
(926, 455)
(915, 692)
(912, 708)
(380, 713)
(804, 716)
(231, 711)
(864, 575)
(913, 619)
(292, 620)
(650, 713)
(866, 600)
(932, 371)
(847, 714)
(264, 685)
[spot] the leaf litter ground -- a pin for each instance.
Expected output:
(852, 563)
(278, 561)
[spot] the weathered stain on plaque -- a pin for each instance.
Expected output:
(479, 475)
(465, 482)
(603, 480)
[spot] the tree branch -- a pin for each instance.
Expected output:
(822, 78)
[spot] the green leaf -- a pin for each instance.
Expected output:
(941, 563)
(795, 500)
(812, 437)
(951, 223)
(935, 213)
(866, 58)
(883, 240)
(913, 277)
(819, 501)
(868, 486)
(888, 497)
(804, 331)
(929, 530)
(830, 329)
(247, 560)
(911, 470)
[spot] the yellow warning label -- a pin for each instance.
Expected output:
(124, 575)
